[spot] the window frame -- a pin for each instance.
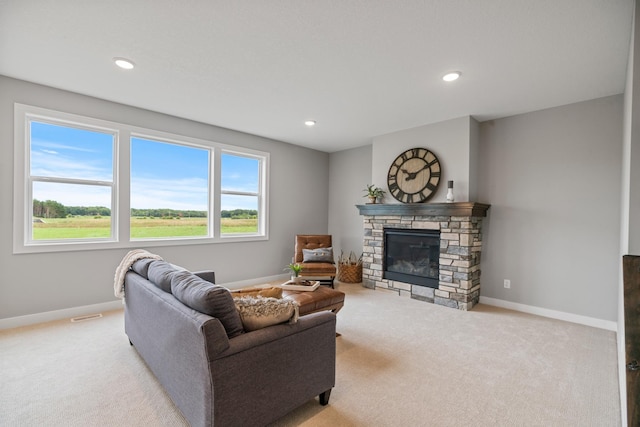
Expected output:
(120, 195)
(259, 194)
(31, 179)
(171, 139)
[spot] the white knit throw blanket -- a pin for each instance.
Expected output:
(125, 265)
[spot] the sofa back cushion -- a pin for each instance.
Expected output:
(160, 274)
(141, 266)
(205, 297)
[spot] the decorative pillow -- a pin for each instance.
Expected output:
(160, 273)
(142, 266)
(273, 292)
(317, 255)
(207, 298)
(260, 312)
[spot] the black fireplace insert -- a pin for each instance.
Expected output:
(412, 256)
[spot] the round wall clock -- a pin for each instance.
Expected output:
(414, 176)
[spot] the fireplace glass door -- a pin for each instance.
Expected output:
(412, 256)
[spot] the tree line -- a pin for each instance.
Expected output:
(53, 209)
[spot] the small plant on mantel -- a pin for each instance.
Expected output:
(373, 193)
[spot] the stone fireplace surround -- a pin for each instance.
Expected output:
(460, 226)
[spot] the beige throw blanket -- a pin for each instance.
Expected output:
(125, 265)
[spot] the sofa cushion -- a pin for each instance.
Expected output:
(141, 266)
(207, 298)
(317, 255)
(160, 274)
(259, 312)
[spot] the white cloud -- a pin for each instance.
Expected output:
(35, 143)
(73, 195)
(184, 194)
(46, 163)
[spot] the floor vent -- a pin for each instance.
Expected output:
(87, 317)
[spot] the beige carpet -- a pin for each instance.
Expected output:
(400, 362)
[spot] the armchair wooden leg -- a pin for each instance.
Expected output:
(324, 397)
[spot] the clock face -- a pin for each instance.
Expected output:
(414, 176)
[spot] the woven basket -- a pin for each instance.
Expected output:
(348, 273)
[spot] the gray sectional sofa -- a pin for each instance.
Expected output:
(215, 373)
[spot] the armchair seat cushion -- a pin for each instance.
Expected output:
(318, 269)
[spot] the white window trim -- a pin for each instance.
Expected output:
(120, 211)
(261, 189)
(87, 124)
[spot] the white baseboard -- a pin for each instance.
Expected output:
(553, 314)
(67, 313)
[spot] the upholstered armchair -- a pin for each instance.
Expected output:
(315, 253)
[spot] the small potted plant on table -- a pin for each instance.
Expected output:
(295, 269)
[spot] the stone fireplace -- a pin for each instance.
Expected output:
(459, 228)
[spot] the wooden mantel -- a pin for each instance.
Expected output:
(469, 209)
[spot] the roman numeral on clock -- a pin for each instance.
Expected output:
(398, 193)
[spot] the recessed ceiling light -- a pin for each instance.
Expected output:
(310, 123)
(449, 77)
(123, 63)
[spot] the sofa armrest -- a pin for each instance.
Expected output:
(272, 333)
(266, 373)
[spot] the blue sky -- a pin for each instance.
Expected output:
(163, 175)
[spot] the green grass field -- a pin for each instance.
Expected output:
(141, 228)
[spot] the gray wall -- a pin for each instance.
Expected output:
(350, 172)
(543, 220)
(552, 178)
(36, 283)
(450, 141)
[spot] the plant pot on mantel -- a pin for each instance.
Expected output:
(373, 193)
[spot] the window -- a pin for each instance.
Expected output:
(240, 194)
(84, 183)
(70, 181)
(169, 190)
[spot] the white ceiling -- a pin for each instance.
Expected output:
(360, 68)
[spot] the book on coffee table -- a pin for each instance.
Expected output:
(301, 285)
